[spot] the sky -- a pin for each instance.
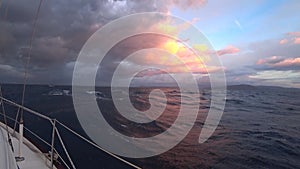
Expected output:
(258, 42)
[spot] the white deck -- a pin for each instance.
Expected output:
(34, 158)
(6, 156)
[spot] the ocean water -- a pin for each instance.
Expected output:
(260, 127)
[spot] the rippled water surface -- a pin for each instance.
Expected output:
(260, 127)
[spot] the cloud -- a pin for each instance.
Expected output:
(273, 74)
(283, 41)
(187, 4)
(268, 50)
(228, 50)
(48, 51)
(62, 29)
(287, 78)
(238, 24)
(280, 63)
(6, 68)
(64, 26)
(297, 40)
(291, 37)
(260, 56)
(10, 73)
(270, 60)
(290, 62)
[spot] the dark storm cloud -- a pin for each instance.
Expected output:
(62, 29)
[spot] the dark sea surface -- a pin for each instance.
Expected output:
(260, 127)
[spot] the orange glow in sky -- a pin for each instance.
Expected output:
(183, 59)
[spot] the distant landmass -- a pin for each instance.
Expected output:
(251, 87)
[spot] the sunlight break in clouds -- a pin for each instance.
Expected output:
(189, 59)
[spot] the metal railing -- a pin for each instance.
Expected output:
(55, 132)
